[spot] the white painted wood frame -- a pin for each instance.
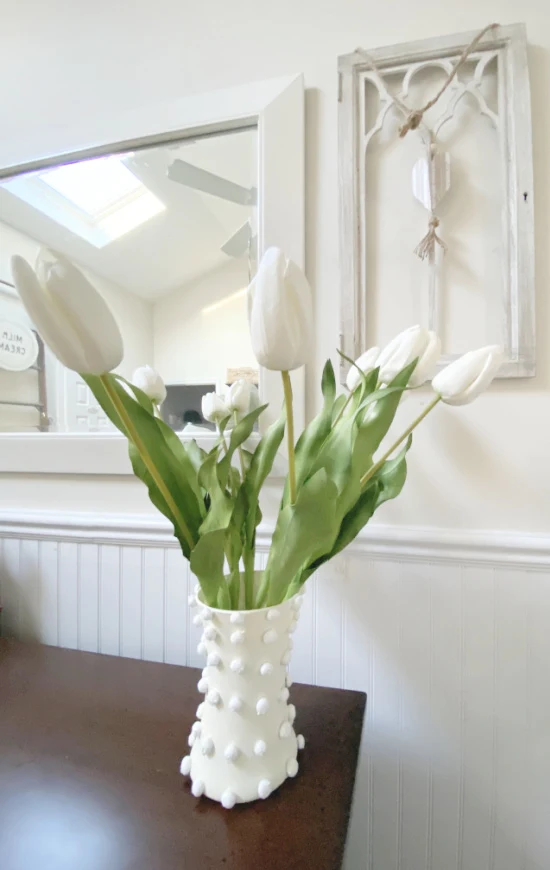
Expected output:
(276, 107)
(517, 301)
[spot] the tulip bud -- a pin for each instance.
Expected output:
(150, 382)
(69, 314)
(464, 379)
(413, 343)
(280, 313)
(214, 408)
(366, 362)
(242, 397)
(427, 361)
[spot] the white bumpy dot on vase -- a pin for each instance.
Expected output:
(232, 752)
(238, 636)
(235, 704)
(185, 766)
(229, 799)
(207, 747)
(197, 789)
(262, 706)
(210, 632)
(237, 666)
(301, 741)
(264, 788)
(244, 746)
(285, 730)
(292, 767)
(201, 648)
(236, 619)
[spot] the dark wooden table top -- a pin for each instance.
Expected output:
(90, 747)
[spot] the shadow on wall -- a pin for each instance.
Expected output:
(19, 584)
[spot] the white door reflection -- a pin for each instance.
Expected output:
(167, 234)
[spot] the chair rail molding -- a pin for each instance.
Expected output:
(377, 541)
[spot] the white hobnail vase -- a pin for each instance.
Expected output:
(243, 744)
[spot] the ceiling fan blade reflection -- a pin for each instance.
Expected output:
(207, 182)
(241, 242)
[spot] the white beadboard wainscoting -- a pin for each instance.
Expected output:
(447, 632)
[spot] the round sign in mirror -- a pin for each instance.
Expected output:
(18, 347)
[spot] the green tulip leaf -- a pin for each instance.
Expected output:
(206, 562)
(172, 485)
(393, 474)
(304, 531)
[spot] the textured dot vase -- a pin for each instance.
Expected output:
(243, 744)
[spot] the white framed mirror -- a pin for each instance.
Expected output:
(167, 211)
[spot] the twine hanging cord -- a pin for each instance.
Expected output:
(415, 116)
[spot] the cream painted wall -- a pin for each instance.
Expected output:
(485, 466)
(201, 329)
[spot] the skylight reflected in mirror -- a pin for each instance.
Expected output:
(93, 185)
(99, 200)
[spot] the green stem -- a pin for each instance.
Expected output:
(222, 438)
(378, 465)
(290, 436)
(235, 587)
(146, 458)
(248, 559)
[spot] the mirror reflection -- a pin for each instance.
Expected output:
(167, 234)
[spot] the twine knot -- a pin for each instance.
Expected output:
(426, 246)
(413, 121)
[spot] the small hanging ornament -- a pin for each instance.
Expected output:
(431, 180)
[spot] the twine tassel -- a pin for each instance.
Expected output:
(426, 246)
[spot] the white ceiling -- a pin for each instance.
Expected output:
(178, 245)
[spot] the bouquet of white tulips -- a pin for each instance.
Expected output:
(336, 479)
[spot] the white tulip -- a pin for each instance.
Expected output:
(464, 379)
(242, 397)
(366, 362)
(426, 365)
(280, 313)
(415, 342)
(214, 408)
(150, 382)
(69, 313)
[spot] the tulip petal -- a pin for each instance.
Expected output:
(366, 362)
(465, 378)
(53, 327)
(427, 362)
(280, 313)
(84, 307)
(402, 350)
(482, 381)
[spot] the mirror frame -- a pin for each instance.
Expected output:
(276, 107)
